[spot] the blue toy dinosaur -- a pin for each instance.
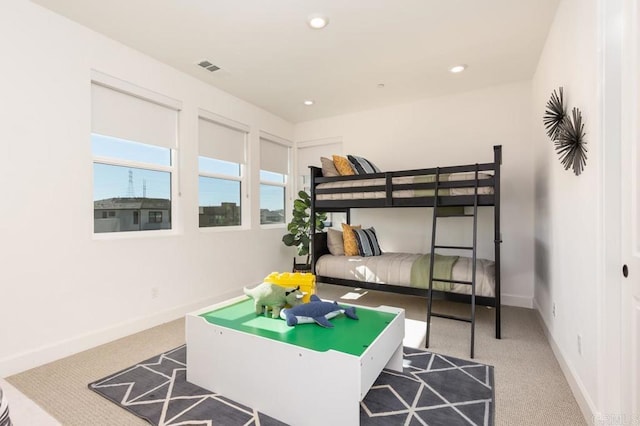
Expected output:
(316, 311)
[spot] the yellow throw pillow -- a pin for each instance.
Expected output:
(349, 238)
(343, 166)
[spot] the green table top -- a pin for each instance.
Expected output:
(347, 336)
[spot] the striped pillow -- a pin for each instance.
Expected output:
(362, 166)
(367, 242)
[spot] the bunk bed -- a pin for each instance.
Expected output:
(465, 186)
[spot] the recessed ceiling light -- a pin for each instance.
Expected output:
(317, 21)
(458, 68)
(308, 102)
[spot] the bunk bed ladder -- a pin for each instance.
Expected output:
(434, 247)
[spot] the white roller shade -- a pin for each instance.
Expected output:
(129, 117)
(274, 157)
(310, 156)
(221, 142)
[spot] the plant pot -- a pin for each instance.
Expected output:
(301, 267)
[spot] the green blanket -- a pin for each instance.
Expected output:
(429, 179)
(442, 211)
(441, 269)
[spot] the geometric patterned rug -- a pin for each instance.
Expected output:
(432, 390)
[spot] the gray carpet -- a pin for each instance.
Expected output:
(433, 389)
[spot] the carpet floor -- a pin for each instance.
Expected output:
(433, 389)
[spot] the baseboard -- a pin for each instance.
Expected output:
(49, 353)
(585, 403)
(519, 301)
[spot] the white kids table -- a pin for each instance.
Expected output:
(302, 375)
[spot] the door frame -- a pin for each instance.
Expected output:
(630, 251)
(610, 379)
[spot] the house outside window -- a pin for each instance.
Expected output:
(133, 140)
(221, 165)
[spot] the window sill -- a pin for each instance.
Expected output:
(214, 229)
(274, 226)
(130, 235)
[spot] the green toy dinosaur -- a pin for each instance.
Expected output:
(272, 297)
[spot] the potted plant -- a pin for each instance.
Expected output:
(299, 228)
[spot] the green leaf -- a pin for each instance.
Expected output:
(288, 239)
(304, 196)
(299, 206)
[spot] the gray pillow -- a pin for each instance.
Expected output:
(328, 168)
(334, 242)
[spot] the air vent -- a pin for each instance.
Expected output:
(208, 66)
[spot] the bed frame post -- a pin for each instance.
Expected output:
(497, 159)
(314, 172)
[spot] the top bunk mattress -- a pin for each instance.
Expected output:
(349, 185)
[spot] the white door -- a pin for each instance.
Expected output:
(630, 209)
(309, 153)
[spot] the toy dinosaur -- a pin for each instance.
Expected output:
(316, 311)
(273, 297)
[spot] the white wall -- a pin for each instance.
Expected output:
(444, 131)
(61, 290)
(567, 207)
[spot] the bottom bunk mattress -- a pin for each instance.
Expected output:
(411, 270)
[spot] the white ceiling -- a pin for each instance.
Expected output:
(270, 57)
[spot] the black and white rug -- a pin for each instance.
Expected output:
(433, 390)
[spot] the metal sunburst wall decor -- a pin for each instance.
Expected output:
(566, 132)
(554, 114)
(570, 144)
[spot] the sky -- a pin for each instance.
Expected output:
(118, 181)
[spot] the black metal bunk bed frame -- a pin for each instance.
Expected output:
(319, 240)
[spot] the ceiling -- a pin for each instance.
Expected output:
(269, 56)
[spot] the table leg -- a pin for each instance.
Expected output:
(395, 363)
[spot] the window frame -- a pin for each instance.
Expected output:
(138, 92)
(242, 179)
(286, 184)
(245, 217)
(173, 172)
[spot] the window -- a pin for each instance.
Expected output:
(133, 139)
(155, 217)
(222, 148)
(274, 175)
